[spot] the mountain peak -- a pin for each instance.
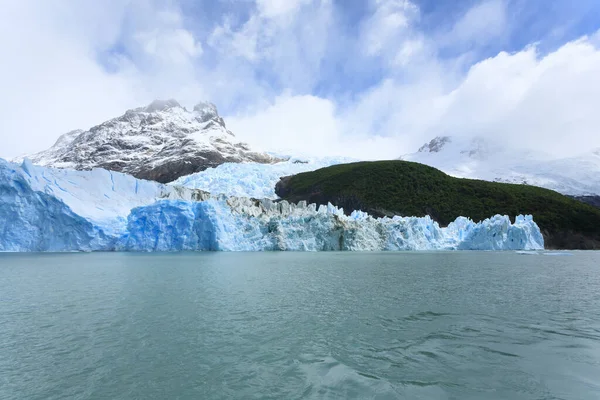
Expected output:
(472, 147)
(490, 159)
(205, 107)
(161, 105)
(435, 145)
(66, 138)
(162, 141)
(478, 147)
(207, 111)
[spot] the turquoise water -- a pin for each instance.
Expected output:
(298, 325)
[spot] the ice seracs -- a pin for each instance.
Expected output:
(242, 224)
(46, 209)
(162, 141)
(481, 158)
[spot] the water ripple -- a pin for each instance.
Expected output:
(300, 326)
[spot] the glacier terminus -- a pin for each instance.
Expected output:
(58, 210)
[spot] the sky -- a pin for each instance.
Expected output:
(371, 79)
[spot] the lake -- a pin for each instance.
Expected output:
(461, 325)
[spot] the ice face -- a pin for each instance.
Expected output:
(496, 233)
(43, 209)
(241, 224)
(35, 221)
(103, 197)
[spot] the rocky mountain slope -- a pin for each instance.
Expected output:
(160, 142)
(479, 158)
(591, 200)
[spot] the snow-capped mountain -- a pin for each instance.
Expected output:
(160, 142)
(480, 158)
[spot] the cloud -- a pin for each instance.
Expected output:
(303, 76)
(46, 72)
(283, 40)
(309, 126)
(60, 71)
(480, 24)
(387, 31)
(277, 8)
(532, 100)
(526, 99)
(292, 124)
(523, 99)
(169, 42)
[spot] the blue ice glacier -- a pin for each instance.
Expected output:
(496, 233)
(242, 224)
(253, 179)
(102, 197)
(31, 220)
(45, 209)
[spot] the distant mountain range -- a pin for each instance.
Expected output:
(162, 142)
(479, 158)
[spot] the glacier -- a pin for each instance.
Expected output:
(242, 224)
(46, 209)
(253, 179)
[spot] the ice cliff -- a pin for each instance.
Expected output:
(242, 224)
(45, 209)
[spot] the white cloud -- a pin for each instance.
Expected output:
(308, 125)
(169, 41)
(52, 76)
(242, 44)
(595, 39)
(288, 40)
(50, 81)
(277, 8)
(481, 23)
(523, 99)
(304, 124)
(531, 100)
(61, 71)
(388, 26)
(408, 51)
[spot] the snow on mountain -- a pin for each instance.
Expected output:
(479, 158)
(252, 179)
(160, 142)
(46, 209)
